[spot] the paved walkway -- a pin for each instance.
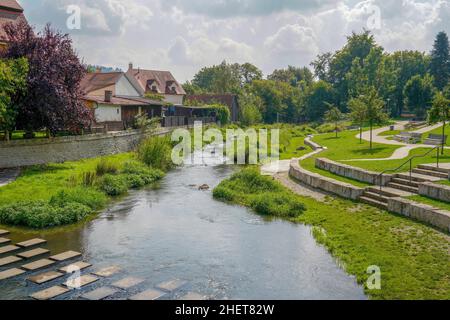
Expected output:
(299, 188)
(8, 175)
(400, 153)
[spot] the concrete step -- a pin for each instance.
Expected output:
(432, 167)
(4, 241)
(431, 173)
(3, 232)
(406, 182)
(385, 191)
(375, 196)
(9, 260)
(403, 187)
(374, 202)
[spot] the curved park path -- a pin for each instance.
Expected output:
(8, 175)
(401, 152)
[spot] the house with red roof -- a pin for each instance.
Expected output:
(10, 12)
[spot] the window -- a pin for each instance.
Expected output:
(118, 111)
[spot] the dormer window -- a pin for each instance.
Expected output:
(154, 89)
(152, 86)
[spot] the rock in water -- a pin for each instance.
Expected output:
(203, 187)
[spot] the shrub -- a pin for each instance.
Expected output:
(85, 196)
(88, 179)
(105, 166)
(135, 181)
(148, 175)
(114, 185)
(156, 152)
(40, 214)
(277, 204)
(251, 181)
(223, 193)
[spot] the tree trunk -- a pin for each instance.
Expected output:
(360, 133)
(443, 138)
(370, 134)
(7, 135)
(336, 128)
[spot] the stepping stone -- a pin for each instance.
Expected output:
(80, 282)
(4, 232)
(33, 253)
(100, 294)
(172, 285)
(8, 249)
(40, 264)
(45, 277)
(148, 295)
(193, 296)
(31, 243)
(78, 266)
(4, 240)
(65, 256)
(50, 293)
(9, 260)
(11, 273)
(127, 283)
(107, 272)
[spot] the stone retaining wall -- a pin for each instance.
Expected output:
(315, 180)
(312, 144)
(420, 212)
(20, 153)
(350, 172)
(435, 191)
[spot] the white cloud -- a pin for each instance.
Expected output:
(185, 35)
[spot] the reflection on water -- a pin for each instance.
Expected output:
(223, 251)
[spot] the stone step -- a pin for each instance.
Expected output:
(107, 272)
(127, 283)
(403, 187)
(45, 277)
(9, 260)
(374, 202)
(74, 267)
(33, 253)
(4, 241)
(385, 191)
(11, 273)
(80, 282)
(100, 294)
(434, 168)
(31, 243)
(375, 196)
(50, 293)
(414, 177)
(148, 295)
(171, 286)
(8, 249)
(193, 296)
(3, 232)
(431, 173)
(68, 255)
(36, 265)
(406, 182)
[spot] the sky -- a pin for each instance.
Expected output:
(183, 36)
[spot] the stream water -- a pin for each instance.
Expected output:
(222, 251)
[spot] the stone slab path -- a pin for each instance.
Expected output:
(299, 188)
(45, 277)
(8, 175)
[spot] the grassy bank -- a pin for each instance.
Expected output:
(60, 194)
(413, 258)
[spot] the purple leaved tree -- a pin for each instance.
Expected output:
(53, 99)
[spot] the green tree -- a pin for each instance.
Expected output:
(440, 61)
(440, 112)
(334, 115)
(316, 100)
(358, 114)
(373, 105)
(419, 92)
(292, 75)
(250, 108)
(13, 82)
(322, 66)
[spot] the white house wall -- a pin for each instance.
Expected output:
(108, 113)
(125, 88)
(173, 99)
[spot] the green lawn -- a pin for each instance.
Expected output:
(291, 150)
(391, 133)
(43, 182)
(413, 258)
(435, 203)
